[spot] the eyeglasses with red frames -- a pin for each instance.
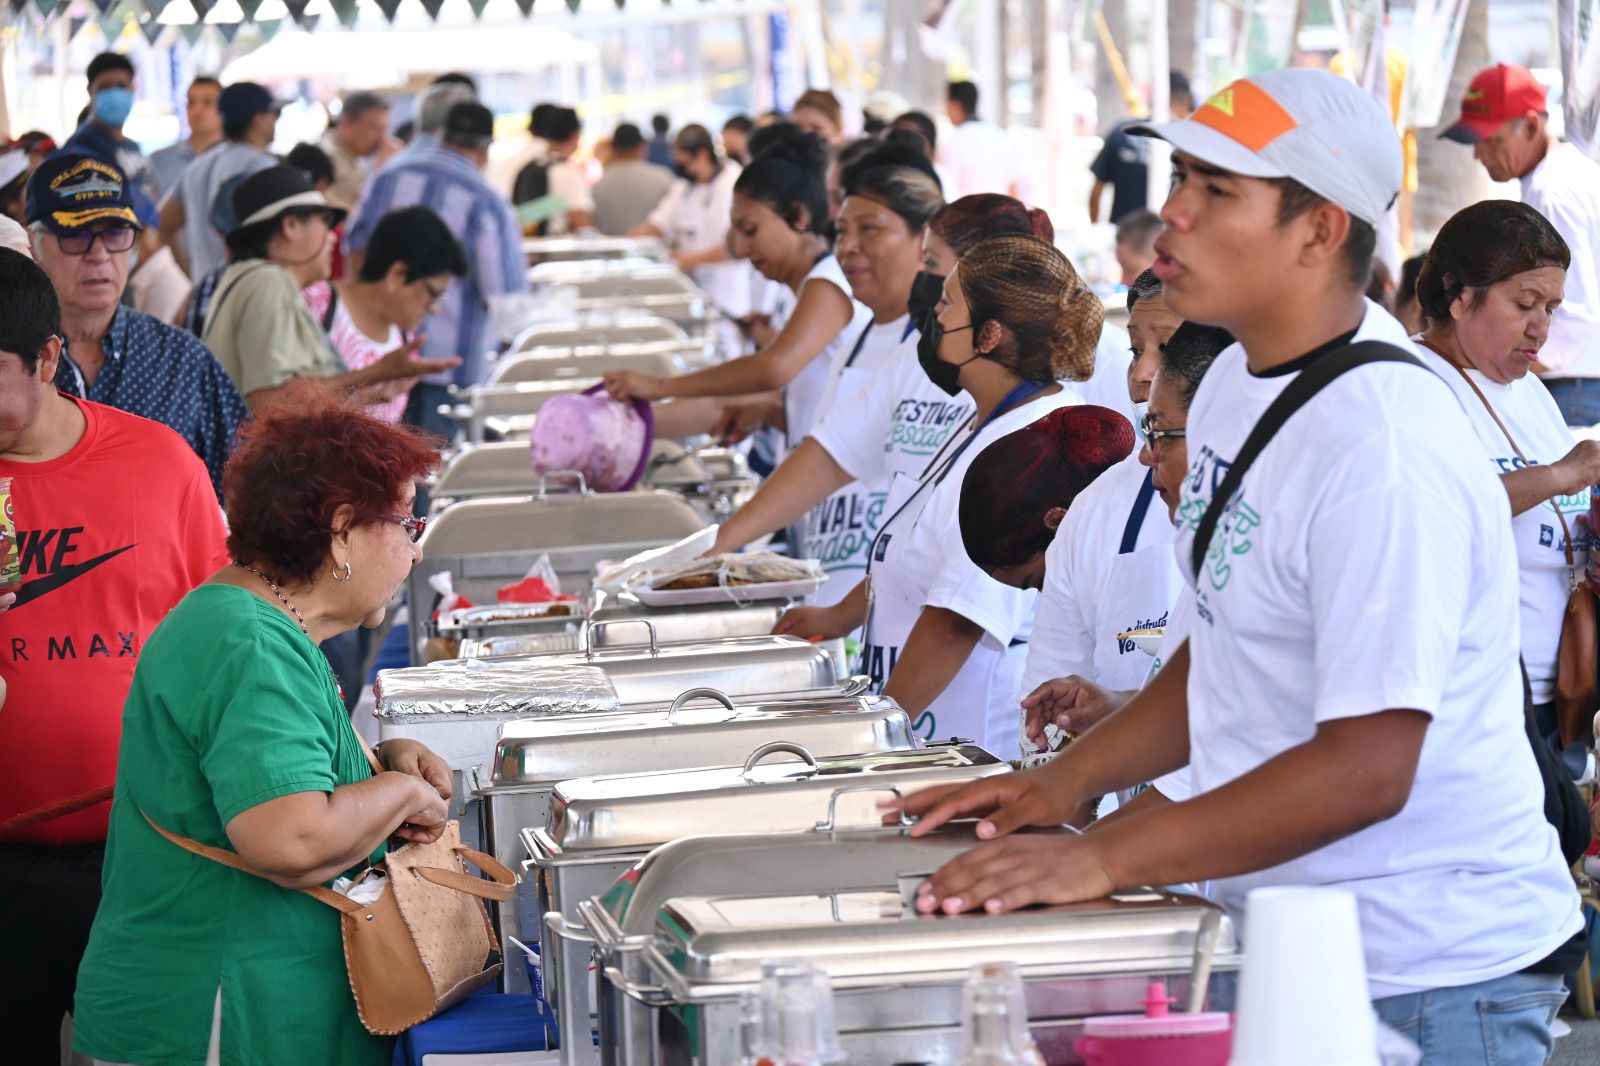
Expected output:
(412, 526)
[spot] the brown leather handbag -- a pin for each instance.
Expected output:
(426, 943)
(1576, 689)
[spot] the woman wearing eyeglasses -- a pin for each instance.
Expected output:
(259, 326)
(233, 734)
(411, 257)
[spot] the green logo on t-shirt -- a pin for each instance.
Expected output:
(1231, 539)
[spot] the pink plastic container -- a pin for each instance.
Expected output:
(1158, 1038)
(605, 441)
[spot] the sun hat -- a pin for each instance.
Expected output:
(1309, 125)
(606, 441)
(267, 195)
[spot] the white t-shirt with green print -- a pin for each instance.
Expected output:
(1367, 564)
(1531, 415)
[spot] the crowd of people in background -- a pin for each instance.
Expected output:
(926, 371)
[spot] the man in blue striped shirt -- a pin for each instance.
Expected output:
(449, 180)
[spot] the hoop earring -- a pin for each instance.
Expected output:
(346, 575)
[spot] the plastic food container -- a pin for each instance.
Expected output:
(1157, 1038)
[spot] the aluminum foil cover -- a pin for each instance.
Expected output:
(512, 689)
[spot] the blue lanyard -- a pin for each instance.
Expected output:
(1141, 505)
(862, 340)
(1024, 392)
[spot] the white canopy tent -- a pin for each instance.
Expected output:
(395, 54)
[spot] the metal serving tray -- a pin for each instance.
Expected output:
(622, 327)
(659, 358)
(599, 827)
(487, 543)
(563, 249)
(655, 672)
(628, 814)
(898, 975)
(534, 755)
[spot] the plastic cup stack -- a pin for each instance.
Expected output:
(1303, 992)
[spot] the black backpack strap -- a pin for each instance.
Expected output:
(1307, 384)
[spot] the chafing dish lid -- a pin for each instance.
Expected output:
(870, 937)
(633, 811)
(544, 751)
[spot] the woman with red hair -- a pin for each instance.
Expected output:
(235, 735)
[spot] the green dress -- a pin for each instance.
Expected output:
(231, 706)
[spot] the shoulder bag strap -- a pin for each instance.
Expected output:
(218, 299)
(333, 307)
(233, 861)
(1310, 381)
(1487, 406)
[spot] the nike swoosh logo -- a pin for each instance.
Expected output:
(50, 582)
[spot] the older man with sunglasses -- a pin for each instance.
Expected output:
(83, 229)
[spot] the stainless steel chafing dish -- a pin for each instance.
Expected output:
(558, 363)
(458, 706)
(563, 249)
(655, 672)
(486, 543)
(700, 727)
(897, 975)
(621, 924)
(599, 827)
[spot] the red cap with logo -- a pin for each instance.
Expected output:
(1495, 97)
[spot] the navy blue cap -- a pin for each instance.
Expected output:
(70, 191)
(243, 101)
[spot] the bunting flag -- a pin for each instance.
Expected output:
(389, 7)
(202, 8)
(477, 7)
(18, 5)
(526, 7)
(105, 6)
(572, 5)
(155, 7)
(229, 30)
(152, 31)
(346, 12)
(75, 27)
(193, 31)
(308, 22)
(249, 8)
(45, 7)
(269, 29)
(432, 8)
(113, 26)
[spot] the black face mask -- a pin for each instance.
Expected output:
(947, 376)
(925, 293)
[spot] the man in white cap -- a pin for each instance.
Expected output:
(1349, 700)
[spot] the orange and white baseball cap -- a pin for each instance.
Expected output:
(1321, 130)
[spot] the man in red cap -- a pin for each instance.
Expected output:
(1504, 118)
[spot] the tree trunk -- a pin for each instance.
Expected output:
(1448, 177)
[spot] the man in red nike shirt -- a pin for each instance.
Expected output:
(116, 520)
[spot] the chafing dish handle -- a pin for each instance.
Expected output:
(594, 627)
(833, 805)
(856, 685)
(649, 995)
(697, 694)
(583, 482)
(774, 747)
